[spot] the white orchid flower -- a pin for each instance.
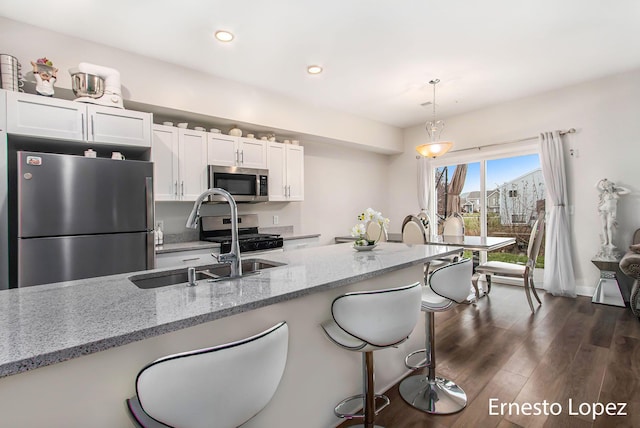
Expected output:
(358, 230)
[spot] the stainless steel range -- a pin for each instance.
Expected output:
(218, 229)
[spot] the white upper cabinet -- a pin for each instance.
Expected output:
(180, 163)
(286, 172)
(117, 126)
(192, 164)
(252, 153)
(277, 171)
(46, 117)
(164, 155)
(295, 172)
(35, 115)
(225, 150)
(222, 149)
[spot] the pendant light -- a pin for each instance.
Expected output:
(434, 128)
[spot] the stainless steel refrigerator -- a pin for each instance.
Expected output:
(81, 217)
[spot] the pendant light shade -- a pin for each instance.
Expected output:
(434, 128)
(433, 150)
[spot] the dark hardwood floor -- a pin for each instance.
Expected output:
(570, 349)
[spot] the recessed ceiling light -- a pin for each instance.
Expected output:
(314, 69)
(224, 36)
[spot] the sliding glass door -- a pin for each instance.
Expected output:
(502, 194)
(515, 197)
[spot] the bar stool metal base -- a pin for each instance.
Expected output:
(440, 396)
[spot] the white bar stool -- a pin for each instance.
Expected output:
(223, 386)
(366, 321)
(448, 286)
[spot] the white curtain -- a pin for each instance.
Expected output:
(559, 278)
(425, 178)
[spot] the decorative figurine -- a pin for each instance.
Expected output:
(45, 74)
(607, 209)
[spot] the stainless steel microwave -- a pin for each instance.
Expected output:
(244, 184)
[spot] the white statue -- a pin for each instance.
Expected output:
(607, 209)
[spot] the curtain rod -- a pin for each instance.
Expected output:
(569, 131)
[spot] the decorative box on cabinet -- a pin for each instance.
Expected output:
(180, 163)
(286, 172)
(40, 116)
(226, 150)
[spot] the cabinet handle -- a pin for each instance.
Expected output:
(191, 259)
(175, 188)
(242, 159)
(237, 158)
(93, 136)
(182, 188)
(285, 191)
(84, 137)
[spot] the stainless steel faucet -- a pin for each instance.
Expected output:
(233, 256)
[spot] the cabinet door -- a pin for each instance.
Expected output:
(186, 258)
(276, 164)
(192, 163)
(222, 149)
(164, 155)
(295, 172)
(253, 153)
(36, 115)
(117, 126)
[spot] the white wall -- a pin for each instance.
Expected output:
(605, 114)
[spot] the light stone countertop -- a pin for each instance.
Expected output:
(47, 324)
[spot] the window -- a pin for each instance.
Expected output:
(502, 195)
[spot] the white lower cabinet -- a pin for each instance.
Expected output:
(186, 258)
(286, 172)
(39, 116)
(298, 244)
(180, 163)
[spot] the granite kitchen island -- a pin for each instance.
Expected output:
(69, 352)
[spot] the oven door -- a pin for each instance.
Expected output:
(244, 184)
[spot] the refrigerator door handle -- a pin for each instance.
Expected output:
(151, 254)
(148, 193)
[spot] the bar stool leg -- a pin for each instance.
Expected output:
(432, 394)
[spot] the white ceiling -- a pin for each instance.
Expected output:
(378, 56)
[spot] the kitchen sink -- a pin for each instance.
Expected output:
(211, 273)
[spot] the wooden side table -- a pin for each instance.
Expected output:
(608, 290)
